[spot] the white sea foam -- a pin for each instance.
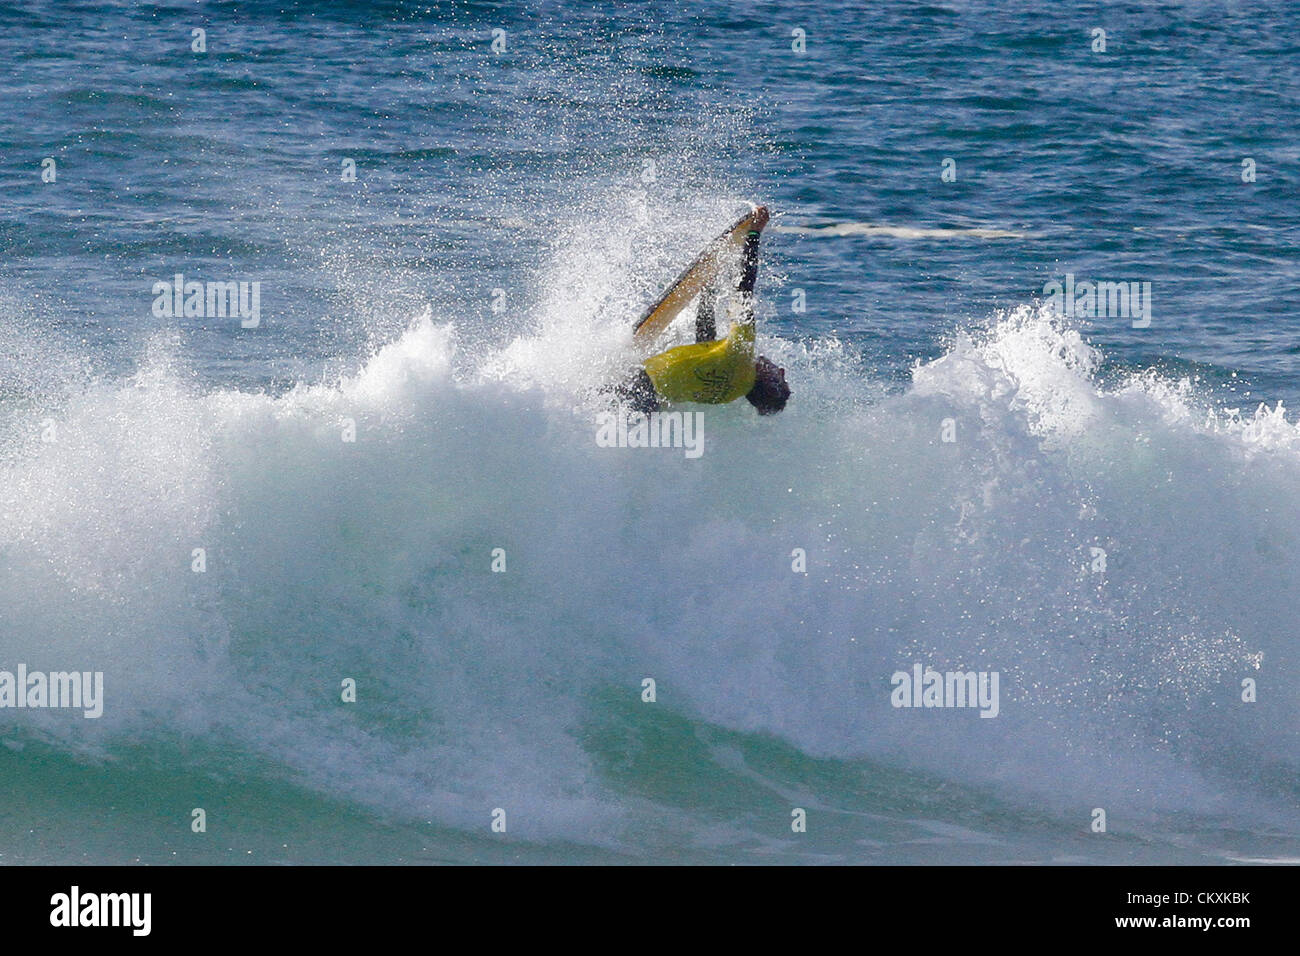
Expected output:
(328, 559)
(839, 229)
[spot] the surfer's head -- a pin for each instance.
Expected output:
(770, 393)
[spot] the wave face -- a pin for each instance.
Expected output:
(372, 559)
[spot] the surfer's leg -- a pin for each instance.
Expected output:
(706, 325)
(639, 392)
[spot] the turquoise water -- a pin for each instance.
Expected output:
(459, 304)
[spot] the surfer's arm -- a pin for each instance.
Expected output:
(706, 325)
(749, 264)
(748, 276)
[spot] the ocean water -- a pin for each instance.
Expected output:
(457, 305)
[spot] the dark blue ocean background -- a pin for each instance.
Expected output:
(1122, 166)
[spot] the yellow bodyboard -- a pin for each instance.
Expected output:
(697, 275)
